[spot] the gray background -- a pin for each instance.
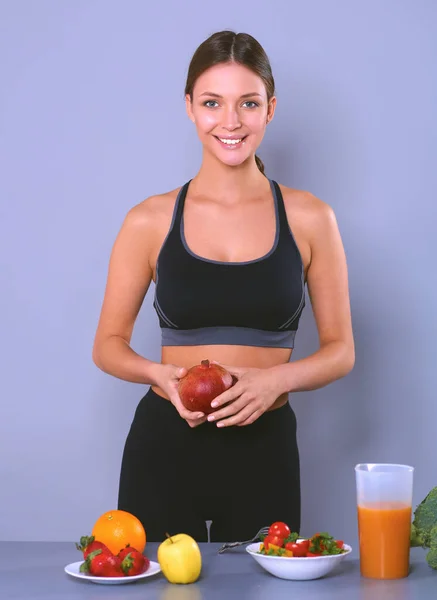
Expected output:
(92, 121)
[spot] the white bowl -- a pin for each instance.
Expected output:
(297, 568)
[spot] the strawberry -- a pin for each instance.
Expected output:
(133, 561)
(88, 545)
(101, 564)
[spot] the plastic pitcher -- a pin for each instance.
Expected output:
(384, 504)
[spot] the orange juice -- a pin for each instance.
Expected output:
(384, 533)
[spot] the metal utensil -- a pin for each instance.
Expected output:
(229, 545)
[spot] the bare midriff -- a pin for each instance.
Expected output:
(235, 356)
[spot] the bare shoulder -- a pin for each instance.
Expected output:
(308, 213)
(152, 213)
(146, 225)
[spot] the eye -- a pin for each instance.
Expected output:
(252, 103)
(209, 102)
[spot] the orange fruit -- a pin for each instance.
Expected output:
(117, 529)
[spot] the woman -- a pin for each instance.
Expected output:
(230, 252)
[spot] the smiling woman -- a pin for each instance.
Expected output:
(235, 121)
(230, 252)
(242, 66)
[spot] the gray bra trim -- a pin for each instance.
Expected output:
(237, 336)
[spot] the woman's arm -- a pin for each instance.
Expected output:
(129, 277)
(257, 389)
(329, 293)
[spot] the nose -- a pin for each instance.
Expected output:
(231, 119)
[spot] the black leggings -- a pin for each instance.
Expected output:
(174, 478)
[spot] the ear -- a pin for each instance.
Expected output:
(189, 108)
(271, 109)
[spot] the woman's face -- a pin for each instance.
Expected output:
(230, 110)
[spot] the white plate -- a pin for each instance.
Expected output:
(297, 568)
(73, 570)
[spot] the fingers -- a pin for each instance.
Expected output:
(188, 415)
(253, 417)
(230, 409)
(180, 372)
(231, 394)
(244, 417)
(184, 412)
(196, 422)
(169, 383)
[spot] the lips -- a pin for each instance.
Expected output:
(232, 143)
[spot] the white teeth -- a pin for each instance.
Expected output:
(230, 142)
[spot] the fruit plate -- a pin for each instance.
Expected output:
(73, 570)
(297, 568)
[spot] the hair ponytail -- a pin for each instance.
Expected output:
(260, 164)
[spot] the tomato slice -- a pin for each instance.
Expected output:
(304, 544)
(297, 549)
(279, 529)
(340, 544)
(313, 554)
(273, 540)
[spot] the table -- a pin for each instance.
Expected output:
(35, 571)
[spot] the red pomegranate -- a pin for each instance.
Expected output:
(202, 384)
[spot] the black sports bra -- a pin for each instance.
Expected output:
(253, 303)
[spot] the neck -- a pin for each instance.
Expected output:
(224, 181)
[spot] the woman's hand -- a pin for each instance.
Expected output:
(167, 378)
(252, 395)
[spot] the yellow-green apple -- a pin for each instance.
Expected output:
(180, 559)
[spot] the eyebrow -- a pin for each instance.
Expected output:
(218, 95)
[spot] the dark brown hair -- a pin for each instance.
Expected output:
(228, 46)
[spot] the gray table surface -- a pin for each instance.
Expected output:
(35, 571)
